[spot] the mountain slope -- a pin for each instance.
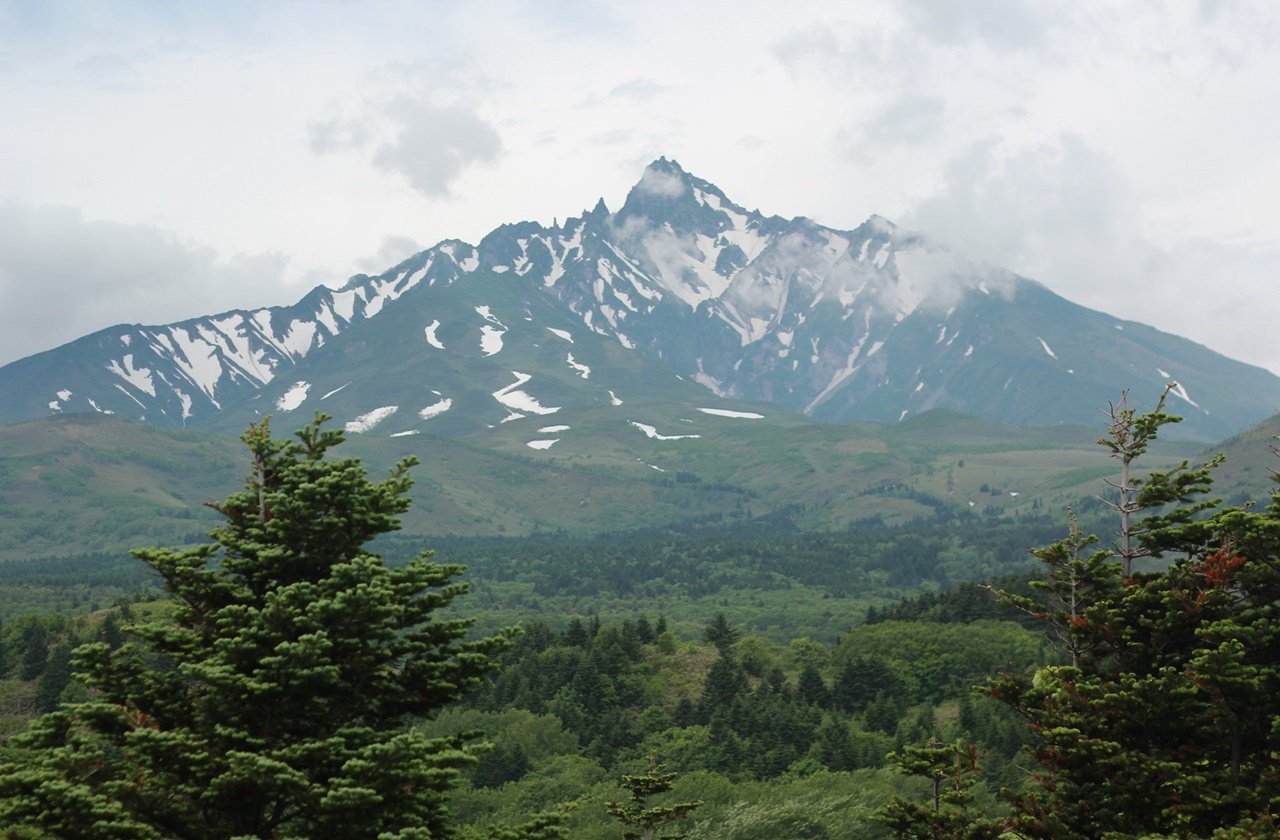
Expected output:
(875, 323)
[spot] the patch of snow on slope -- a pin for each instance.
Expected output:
(334, 391)
(139, 377)
(186, 403)
(613, 399)
(485, 313)
(652, 432)
(121, 389)
(969, 352)
(436, 408)
(724, 412)
(294, 397)
(518, 400)
(95, 407)
(551, 430)
(1046, 347)
(561, 334)
(542, 444)
(298, 340)
(404, 434)
(64, 395)
(582, 369)
(54, 405)
(491, 339)
(233, 340)
(126, 339)
(850, 365)
(1177, 389)
(196, 359)
(367, 421)
(1181, 393)
(344, 304)
(430, 330)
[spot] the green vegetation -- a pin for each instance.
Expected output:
(788, 683)
(272, 701)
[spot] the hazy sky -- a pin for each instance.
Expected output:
(163, 160)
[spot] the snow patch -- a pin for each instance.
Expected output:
(491, 340)
(613, 399)
(430, 330)
(368, 420)
(561, 334)
(1046, 347)
(404, 434)
(436, 408)
(517, 400)
(652, 432)
(293, 397)
(64, 395)
(724, 412)
(582, 369)
(139, 377)
(551, 430)
(334, 391)
(542, 444)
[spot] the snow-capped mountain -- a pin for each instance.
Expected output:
(680, 285)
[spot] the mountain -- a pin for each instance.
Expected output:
(679, 295)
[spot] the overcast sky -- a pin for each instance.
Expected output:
(163, 160)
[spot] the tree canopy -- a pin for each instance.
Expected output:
(275, 700)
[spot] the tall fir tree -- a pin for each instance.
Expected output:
(1166, 721)
(276, 701)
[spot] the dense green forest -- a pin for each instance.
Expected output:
(743, 683)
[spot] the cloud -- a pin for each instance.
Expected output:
(62, 276)
(656, 182)
(392, 251)
(1063, 213)
(1004, 24)
(909, 120)
(428, 143)
(434, 144)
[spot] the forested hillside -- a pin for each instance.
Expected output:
(282, 681)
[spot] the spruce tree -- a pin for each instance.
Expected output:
(276, 701)
(1166, 721)
(642, 817)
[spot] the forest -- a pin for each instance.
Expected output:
(308, 671)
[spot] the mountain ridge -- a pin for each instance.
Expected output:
(875, 323)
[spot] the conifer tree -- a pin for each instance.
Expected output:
(275, 701)
(1167, 719)
(953, 770)
(642, 817)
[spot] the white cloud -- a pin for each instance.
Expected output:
(665, 184)
(62, 276)
(428, 145)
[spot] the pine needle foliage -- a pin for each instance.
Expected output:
(278, 700)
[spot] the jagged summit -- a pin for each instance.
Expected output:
(873, 323)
